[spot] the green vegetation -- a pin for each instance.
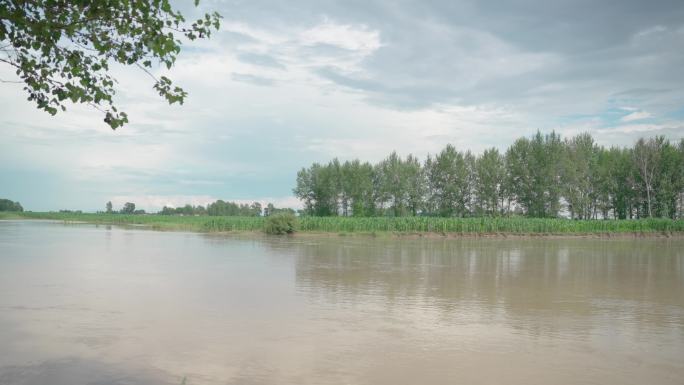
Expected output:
(11, 215)
(539, 177)
(281, 223)
(158, 222)
(218, 208)
(8, 205)
(500, 225)
(62, 49)
(437, 225)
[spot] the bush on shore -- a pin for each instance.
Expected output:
(282, 223)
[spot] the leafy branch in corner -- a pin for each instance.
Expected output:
(61, 50)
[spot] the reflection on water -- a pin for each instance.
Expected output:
(81, 304)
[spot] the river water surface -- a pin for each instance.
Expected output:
(82, 304)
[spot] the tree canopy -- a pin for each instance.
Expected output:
(62, 49)
(544, 176)
(8, 205)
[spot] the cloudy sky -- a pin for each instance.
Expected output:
(284, 84)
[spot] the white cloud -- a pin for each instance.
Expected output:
(629, 128)
(636, 115)
(650, 31)
(350, 37)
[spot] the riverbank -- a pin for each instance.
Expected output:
(404, 227)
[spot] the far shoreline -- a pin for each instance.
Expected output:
(251, 225)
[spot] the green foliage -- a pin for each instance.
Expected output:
(579, 175)
(62, 49)
(282, 223)
(318, 187)
(534, 174)
(485, 225)
(498, 225)
(489, 193)
(539, 177)
(128, 208)
(270, 209)
(8, 205)
(159, 222)
(188, 209)
(357, 186)
(221, 208)
(400, 185)
(449, 182)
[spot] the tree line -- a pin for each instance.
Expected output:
(8, 205)
(128, 208)
(218, 208)
(544, 176)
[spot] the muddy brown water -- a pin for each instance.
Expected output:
(85, 304)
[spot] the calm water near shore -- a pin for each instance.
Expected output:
(84, 304)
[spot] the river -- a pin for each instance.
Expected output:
(84, 304)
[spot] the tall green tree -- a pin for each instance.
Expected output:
(534, 177)
(519, 174)
(358, 189)
(62, 50)
(646, 155)
(414, 175)
(393, 184)
(490, 174)
(128, 208)
(317, 188)
(667, 183)
(449, 182)
(578, 175)
(534, 174)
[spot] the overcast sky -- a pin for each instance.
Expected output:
(284, 84)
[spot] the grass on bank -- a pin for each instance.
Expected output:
(437, 225)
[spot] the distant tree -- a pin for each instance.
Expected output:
(270, 210)
(535, 177)
(317, 188)
(8, 205)
(358, 187)
(128, 208)
(579, 168)
(621, 182)
(416, 183)
(604, 183)
(490, 174)
(255, 209)
(62, 49)
(108, 207)
(188, 209)
(534, 168)
(667, 184)
(646, 156)
(393, 188)
(449, 183)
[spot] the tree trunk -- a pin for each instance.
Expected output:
(648, 199)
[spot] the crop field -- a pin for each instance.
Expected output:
(438, 225)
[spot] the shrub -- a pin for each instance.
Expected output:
(282, 223)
